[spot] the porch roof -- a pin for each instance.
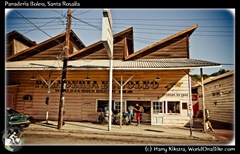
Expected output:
(143, 64)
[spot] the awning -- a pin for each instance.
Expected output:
(143, 64)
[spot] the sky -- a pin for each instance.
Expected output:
(213, 40)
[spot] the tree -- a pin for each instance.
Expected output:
(198, 77)
(205, 76)
(221, 71)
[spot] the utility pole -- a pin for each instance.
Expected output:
(64, 71)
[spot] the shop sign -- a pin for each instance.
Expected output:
(97, 87)
(176, 94)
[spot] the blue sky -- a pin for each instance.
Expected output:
(213, 40)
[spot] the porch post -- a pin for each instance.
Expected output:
(121, 101)
(190, 105)
(203, 100)
(49, 90)
(110, 95)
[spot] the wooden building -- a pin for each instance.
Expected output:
(219, 97)
(155, 76)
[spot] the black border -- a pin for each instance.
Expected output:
(138, 4)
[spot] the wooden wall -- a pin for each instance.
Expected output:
(18, 46)
(50, 54)
(81, 105)
(14, 47)
(11, 96)
(177, 49)
(118, 53)
(219, 99)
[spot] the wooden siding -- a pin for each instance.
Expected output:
(11, 96)
(50, 54)
(16, 42)
(18, 46)
(15, 47)
(161, 44)
(9, 49)
(177, 49)
(80, 103)
(118, 53)
(219, 99)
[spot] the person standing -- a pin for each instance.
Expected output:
(207, 120)
(137, 111)
(130, 110)
(63, 122)
(141, 112)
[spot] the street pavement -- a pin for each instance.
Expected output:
(164, 131)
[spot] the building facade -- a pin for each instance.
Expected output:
(219, 97)
(155, 76)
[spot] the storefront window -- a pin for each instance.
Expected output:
(157, 107)
(117, 106)
(101, 104)
(173, 107)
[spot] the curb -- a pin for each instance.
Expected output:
(32, 130)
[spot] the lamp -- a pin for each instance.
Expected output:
(157, 78)
(87, 78)
(33, 77)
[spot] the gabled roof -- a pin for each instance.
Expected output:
(165, 42)
(21, 38)
(128, 33)
(59, 39)
(211, 79)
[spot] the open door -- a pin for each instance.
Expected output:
(157, 112)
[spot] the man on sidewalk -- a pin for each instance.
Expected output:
(207, 121)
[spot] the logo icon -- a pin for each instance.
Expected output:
(12, 139)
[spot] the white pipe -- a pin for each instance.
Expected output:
(110, 95)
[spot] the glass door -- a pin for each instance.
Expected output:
(157, 112)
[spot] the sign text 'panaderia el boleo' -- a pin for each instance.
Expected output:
(82, 86)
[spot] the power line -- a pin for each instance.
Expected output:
(84, 12)
(145, 40)
(151, 25)
(37, 27)
(42, 25)
(118, 27)
(34, 24)
(130, 19)
(87, 23)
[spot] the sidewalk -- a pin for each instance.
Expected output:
(170, 132)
